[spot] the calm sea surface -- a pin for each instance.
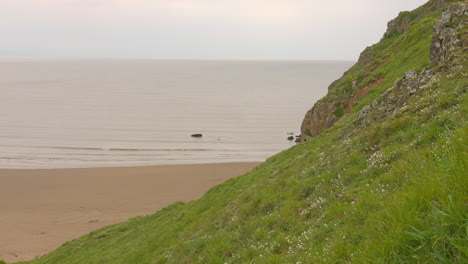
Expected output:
(58, 113)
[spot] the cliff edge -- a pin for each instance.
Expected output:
(366, 77)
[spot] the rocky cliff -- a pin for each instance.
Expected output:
(345, 93)
(449, 41)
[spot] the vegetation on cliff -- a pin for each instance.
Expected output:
(385, 184)
(405, 46)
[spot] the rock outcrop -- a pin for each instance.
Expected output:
(327, 111)
(445, 44)
(394, 98)
(398, 25)
(318, 118)
(447, 37)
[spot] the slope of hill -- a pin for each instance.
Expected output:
(381, 178)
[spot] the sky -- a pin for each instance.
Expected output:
(215, 29)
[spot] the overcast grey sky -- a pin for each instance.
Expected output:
(274, 29)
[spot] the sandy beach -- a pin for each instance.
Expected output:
(41, 209)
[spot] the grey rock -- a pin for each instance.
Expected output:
(446, 33)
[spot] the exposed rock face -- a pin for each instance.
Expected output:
(445, 43)
(394, 98)
(317, 119)
(366, 56)
(398, 25)
(324, 113)
(446, 37)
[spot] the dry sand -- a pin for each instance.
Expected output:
(42, 209)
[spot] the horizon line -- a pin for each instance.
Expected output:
(58, 57)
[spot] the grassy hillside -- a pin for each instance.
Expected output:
(390, 191)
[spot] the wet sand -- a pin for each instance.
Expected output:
(41, 209)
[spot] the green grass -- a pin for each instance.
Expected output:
(394, 191)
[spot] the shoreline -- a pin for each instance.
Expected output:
(40, 209)
(133, 166)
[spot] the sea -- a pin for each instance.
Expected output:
(90, 112)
